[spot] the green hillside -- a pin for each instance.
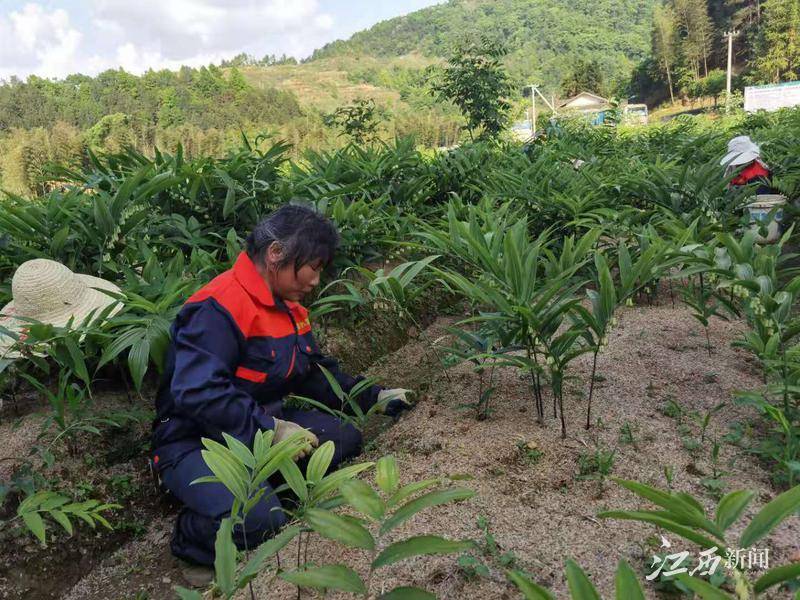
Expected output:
(545, 37)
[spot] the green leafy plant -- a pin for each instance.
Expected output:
(596, 465)
(627, 434)
(714, 483)
(580, 586)
(683, 515)
(357, 120)
(381, 510)
(60, 509)
(244, 472)
(485, 554)
(350, 411)
(475, 79)
(477, 347)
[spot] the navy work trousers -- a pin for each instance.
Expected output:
(206, 504)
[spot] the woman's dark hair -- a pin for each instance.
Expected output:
(304, 235)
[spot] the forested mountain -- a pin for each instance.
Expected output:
(544, 37)
(205, 97)
(637, 50)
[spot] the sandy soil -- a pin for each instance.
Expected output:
(539, 510)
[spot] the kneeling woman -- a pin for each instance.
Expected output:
(239, 346)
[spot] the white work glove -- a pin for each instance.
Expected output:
(285, 429)
(394, 401)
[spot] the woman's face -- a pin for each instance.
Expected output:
(294, 285)
(285, 282)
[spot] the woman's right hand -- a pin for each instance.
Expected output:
(285, 429)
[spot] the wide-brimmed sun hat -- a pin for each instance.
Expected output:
(49, 292)
(741, 150)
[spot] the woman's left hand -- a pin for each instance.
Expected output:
(394, 401)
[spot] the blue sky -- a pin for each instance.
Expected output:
(53, 39)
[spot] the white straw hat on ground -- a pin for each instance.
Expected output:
(741, 150)
(48, 292)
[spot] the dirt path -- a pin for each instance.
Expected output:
(540, 511)
(537, 509)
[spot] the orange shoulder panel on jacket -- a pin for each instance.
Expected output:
(226, 290)
(300, 314)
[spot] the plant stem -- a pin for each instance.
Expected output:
(558, 393)
(247, 555)
(591, 388)
(535, 383)
(369, 575)
(479, 405)
(299, 544)
(489, 396)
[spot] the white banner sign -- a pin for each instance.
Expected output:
(772, 97)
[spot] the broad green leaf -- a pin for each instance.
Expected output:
(266, 550)
(776, 576)
(35, 523)
(418, 545)
(138, 360)
(705, 590)
(225, 558)
(579, 584)
(628, 586)
(53, 502)
(731, 506)
(327, 577)
(529, 589)
(770, 516)
(387, 475)
(337, 389)
(409, 490)
(331, 482)
(255, 499)
(338, 528)
(363, 498)
(278, 455)
(229, 477)
(683, 512)
(294, 477)
(407, 593)
(662, 520)
(434, 498)
(319, 462)
(185, 594)
(78, 360)
(62, 520)
(241, 451)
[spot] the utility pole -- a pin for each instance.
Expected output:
(551, 105)
(729, 35)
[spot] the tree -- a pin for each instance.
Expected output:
(696, 31)
(112, 133)
(715, 83)
(357, 120)
(475, 79)
(665, 42)
(169, 112)
(583, 77)
(780, 57)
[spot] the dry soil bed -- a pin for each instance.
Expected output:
(541, 512)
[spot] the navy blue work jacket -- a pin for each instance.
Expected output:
(235, 353)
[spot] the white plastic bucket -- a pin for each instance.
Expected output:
(760, 215)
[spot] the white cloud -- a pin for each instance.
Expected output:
(142, 34)
(37, 41)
